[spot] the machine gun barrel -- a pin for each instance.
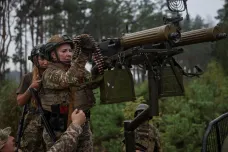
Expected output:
(153, 35)
(201, 35)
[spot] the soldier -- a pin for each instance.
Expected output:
(66, 69)
(64, 144)
(32, 129)
(146, 135)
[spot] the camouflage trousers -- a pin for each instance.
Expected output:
(32, 140)
(84, 144)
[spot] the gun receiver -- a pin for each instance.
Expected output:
(201, 35)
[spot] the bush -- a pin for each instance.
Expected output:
(106, 125)
(10, 112)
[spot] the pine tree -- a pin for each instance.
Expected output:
(220, 48)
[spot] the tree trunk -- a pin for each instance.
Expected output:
(20, 52)
(138, 75)
(143, 75)
(31, 22)
(37, 31)
(3, 41)
(26, 48)
(41, 24)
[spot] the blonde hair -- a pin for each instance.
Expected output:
(35, 77)
(35, 74)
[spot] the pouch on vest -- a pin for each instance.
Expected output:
(58, 122)
(117, 86)
(59, 109)
(83, 99)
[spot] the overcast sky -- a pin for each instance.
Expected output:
(207, 9)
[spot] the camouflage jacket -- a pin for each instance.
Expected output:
(68, 139)
(147, 136)
(57, 80)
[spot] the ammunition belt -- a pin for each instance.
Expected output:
(97, 56)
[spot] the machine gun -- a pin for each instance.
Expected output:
(153, 49)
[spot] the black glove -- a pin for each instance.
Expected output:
(88, 44)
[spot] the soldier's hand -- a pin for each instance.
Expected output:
(78, 117)
(35, 84)
(86, 42)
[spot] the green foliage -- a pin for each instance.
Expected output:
(8, 105)
(131, 106)
(113, 145)
(185, 118)
(142, 89)
(220, 47)
(106, 124)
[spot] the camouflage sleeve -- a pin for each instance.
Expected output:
(58, 79)
(68, 140)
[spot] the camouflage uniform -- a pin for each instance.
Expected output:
(66, 143)
(4, 134)
(68, 140)
(31, 139)
(147, 136)
(58, 83)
